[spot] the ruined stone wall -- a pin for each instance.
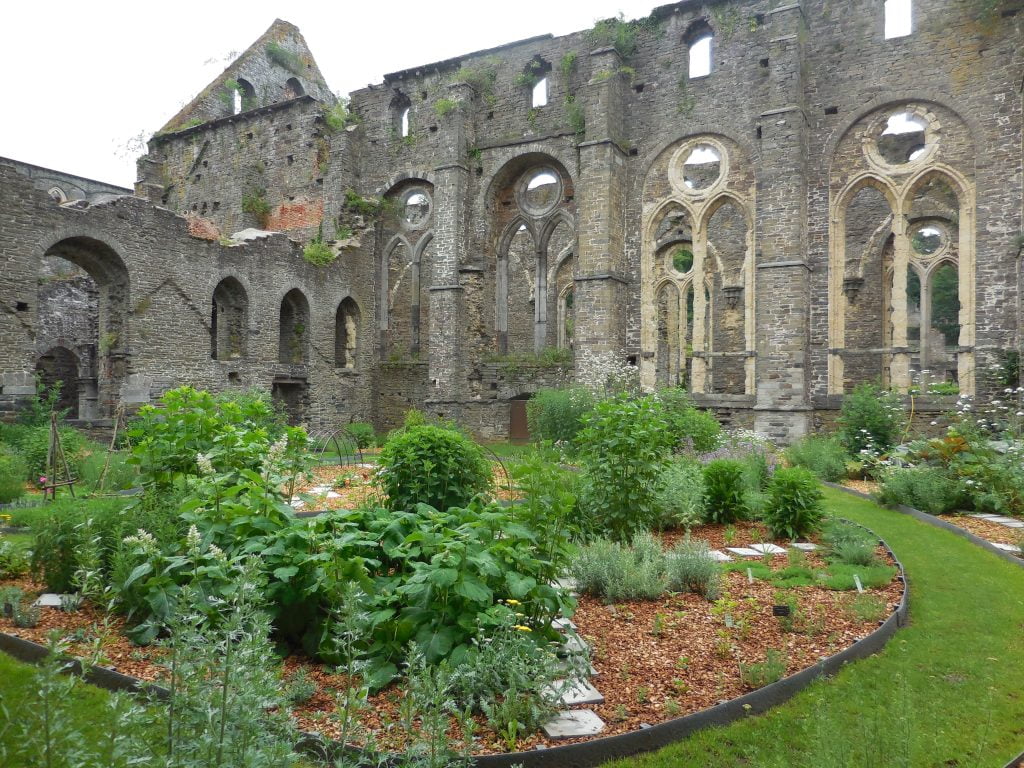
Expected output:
(165, 338)
(66, 187)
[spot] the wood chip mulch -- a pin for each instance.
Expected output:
(864, 486)
(987, 530)
(656, 660)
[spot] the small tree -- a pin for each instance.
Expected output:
(870, 420)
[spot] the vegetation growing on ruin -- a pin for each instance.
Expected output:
(317, 252)
(255, 204)
(481, 76)
(444, 106)
(280, 55)
(338, 117)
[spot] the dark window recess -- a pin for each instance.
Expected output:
(759, 18)
(423, 95)
(203, 210)
(248, 136)
(631, 360)
(206, 163)
(234, 377)
(21, 306)
(831, 110)
(216, 205)
(758, 131)
(195, 207)
(490, 115)
(291, 159)
(633, 151)
(288, 127)
(479, 171)
(320, 180)
(199, 176)
(433, 129)
(639, 87)
(764, 63)
(291, 198)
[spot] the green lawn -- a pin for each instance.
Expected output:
(947, 691)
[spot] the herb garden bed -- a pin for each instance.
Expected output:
(655, 660)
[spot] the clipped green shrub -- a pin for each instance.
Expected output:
(362, 433)
(680, 496)
(615, 572)
(432, 465)
(691, 568)
(824, 456)
(794, 506)
(623, 447)
(694, 430)
(557, 414)
(724, 491)
(928, 489)
(870, 420)
(13, 471)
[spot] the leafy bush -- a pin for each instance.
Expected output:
(617, 572)
(13, 472)
(691, 568)
(854, 551)
(694, 430)
(14, 561)
(794, 507)
(680, 495)
(870, 420)
(434, 466)
(557, 414)
(824, 456)
(120, 474)
(926, 488)
(724, 486)
(362, 433)
(35, 446)
(623, 447)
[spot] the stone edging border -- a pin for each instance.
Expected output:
(597, 751)
(924, 517)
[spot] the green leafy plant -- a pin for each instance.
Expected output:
(623, 448)
(318, 253)
(870, 420)
(338, 117)
(618, 572)
(432, 465)
(300, 687)
(691, 568)
(25, 615)
(363, 433)
(824, 456)
(557, 414)
(14, 560)
(929, 489)
(256, 205)
(680, 498)
(760, 674)
(13, 473)
(724, 497)
(866, 608)
(794, 508)
(443, 107)
(281, 56)
(694, 430)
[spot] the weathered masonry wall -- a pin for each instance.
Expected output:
(811, 207)
(155, 285)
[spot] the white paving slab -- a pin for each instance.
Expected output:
(298, 503)
(983, 516)
(333, 495)
(720, 556)
(562, 624)
(805, 546)
(566, 582)
(1014, 524)
(768, 549)
(574, 644)
(577, 692)
(1005, 547)
(48, 600)
(743, 551)
(569, 725)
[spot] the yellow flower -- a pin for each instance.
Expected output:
(512, 602)
(523, 628)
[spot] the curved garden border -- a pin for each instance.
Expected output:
(924, 517)
(597, 751)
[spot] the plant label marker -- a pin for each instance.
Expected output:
(780, 610)
(860, 587)
(750, 576)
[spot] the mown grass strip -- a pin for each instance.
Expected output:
(947, 691)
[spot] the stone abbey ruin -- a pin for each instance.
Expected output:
(766, 202)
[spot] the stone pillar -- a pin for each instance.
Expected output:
(451, 185)
(783, 284)
(600, 279)
(899, 366)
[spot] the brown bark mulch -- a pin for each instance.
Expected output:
(986, 530)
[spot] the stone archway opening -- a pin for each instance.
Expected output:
(83, 308)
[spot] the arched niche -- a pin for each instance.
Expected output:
(229, 320)
(58, 367)
(725, 269)
(346, 334)
(294, 329)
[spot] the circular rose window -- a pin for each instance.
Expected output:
(540, 191)
(415, 208)
(702, 168)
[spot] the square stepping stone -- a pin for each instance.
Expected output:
(298, 503)
(319, 490)
(717, 554)
(1001, 519)
(768, 549)
(48, 600)
(566, 582)
(574, 644)
(804, 546)
(563, 625)
(333, 495)
(1014, 524)
(983, 516)
(572, 724)
(577, 692)
(1005, 547)
(743, 551)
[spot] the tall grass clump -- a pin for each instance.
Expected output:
(824, 456)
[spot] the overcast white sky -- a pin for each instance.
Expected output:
(84, 78)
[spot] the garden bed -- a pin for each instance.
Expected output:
(998, 534)
(655, 660)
